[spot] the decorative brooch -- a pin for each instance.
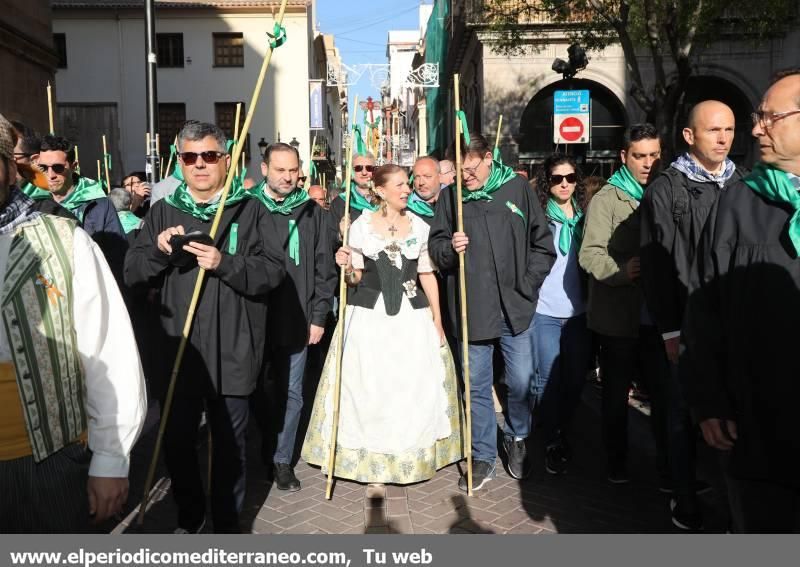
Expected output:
(53, 293)
(393, 250)
(411, 288)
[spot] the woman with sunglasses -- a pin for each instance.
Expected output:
(562, 343)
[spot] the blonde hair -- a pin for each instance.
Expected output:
(379, 178)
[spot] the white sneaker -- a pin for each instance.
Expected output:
(182, 531)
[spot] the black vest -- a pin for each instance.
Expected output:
(383, 277)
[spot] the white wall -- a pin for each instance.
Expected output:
(106, 64)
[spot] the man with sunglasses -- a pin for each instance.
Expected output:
(360, 197)
(675, 208)
(508, 253)
(26, 153)
(741, 329)
(69, 373)
(630, 344)
(225, 351)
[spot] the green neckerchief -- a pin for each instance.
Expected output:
(129, 221)
(176, 167)
(34, 192)
(357, 200)
(624, 180)
(500, 175)
(570, 228)
(416, 204)
(182, 200)
(361, 148)
(82, 192)
(285, 207)
(774, 185)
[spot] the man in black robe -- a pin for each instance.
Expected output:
(509, 252)
(741, 326)
(299, 307)
(674, 211)
(224, 354)
(360, 198)
(427, 188)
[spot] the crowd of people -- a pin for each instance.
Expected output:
(682, 277)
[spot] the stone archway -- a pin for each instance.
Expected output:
(707, 87)
(609, 121)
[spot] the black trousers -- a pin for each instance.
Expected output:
(227, 418)
(622, 360)
(46, 497)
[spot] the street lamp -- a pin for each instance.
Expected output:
(294, 143)
(262, 146)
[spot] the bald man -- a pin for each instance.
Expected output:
(674, 211)
(317, 193)
(426, 188)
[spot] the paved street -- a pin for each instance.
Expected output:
(580, 501)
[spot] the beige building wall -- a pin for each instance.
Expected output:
(106, 65)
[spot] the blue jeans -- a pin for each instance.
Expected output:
(290, 369)
(563, 348)
(517, 353)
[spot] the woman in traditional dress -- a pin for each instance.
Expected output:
(400, 417)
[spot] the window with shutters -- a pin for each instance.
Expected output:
(170, 49)
(171, 117)
(228, 50)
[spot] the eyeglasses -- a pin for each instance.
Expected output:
(557, 179)
(768, 119)
(210, 157)
(302, 179)
(360, 168)
(471, 171)
(58, 168)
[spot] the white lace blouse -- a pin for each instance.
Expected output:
(364, 241)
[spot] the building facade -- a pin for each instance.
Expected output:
(27, 61)
(209, 56)
(521, 88)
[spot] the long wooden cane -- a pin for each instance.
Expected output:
(462, 282)
(237, 150)
(77, 160)
(499, 128)
(236, 133)
(50, 108)
(105, 164)
(337, 388)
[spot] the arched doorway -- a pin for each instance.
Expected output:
(702, 88)
(608, 126)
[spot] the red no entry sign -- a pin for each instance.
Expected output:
(571, 129)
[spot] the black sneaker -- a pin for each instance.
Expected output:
(285, 479)
(516, 454)
(482, 472)
(618, 474)
(555, 460)
(666, 486)
(683, 520)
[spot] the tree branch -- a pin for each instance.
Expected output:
(654, 42)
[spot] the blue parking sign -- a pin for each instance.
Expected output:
(571, 102)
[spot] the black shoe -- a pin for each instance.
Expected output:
(482, 472)
(194, 530)
(684, 520)
(285, 479)
(618, 474)
(555, 460)
(516, 454)
(666, 486)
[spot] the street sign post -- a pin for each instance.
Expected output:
(571, 117)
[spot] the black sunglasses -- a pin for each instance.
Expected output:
(359, 168)
(302, 179)
(210, 157)
(557, 179)
(58, 168)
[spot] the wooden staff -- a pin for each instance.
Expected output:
(236, 134)
(499, 127)
(77, 160)
(169, 161)
(337, 388)
(237, 150)
(462, 282)
(99, 173)
(106, 164)
(50, 108)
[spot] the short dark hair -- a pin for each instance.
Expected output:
(280, 147)
(637, 132)
(195, 131)
(140, 175)
(542, 179)
(30, 141)
(478, 145)
(52, 143)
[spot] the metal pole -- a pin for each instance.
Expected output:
(151, 89)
